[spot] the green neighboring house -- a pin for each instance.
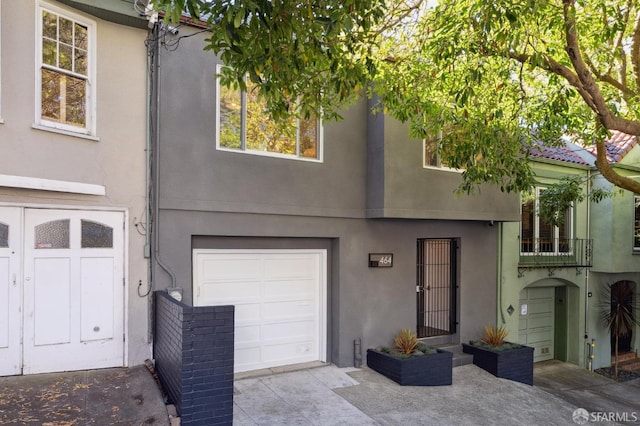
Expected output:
(550, 278)
(615, 229)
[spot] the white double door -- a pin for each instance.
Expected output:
(61, 290)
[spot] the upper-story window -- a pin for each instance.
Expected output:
(537, 236)
(636, 223)
(66, 73)
(244, 125)
(431, 157)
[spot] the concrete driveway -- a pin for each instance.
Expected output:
(333, 396)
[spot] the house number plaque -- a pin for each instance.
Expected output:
(380, 260)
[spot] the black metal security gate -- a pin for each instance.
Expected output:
(436, 287)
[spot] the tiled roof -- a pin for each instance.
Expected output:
(617, 146)
(566, 153)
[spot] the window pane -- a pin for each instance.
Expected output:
(75, 101)
(230, 117)
(564, 233)
(527, 232)
(4, 235)
(308, 131)
(66, 31)
(50, 95)
(49, 52)
(546, 237)
(636, 226)
(80, 40)
(96, 235)
(430, 153)
(63, 98)
(65, 61)
(80, 61)
(52, 235)
(263, 134)
(49, 25)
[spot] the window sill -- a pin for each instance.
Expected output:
(269, 154)
(443, 169)
(65, 132)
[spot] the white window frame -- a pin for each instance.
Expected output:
(439, 166)
(556, 231)
(40, 123)
(244, 150)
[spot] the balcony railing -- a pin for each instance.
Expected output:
(554, 253)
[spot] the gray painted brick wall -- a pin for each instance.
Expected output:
(193, 351)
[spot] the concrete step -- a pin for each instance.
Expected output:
(625, 356)
(630, 365)
(437, 340)
(459, 357)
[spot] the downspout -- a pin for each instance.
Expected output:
(155, 164)
(586, 276)
(148, 185)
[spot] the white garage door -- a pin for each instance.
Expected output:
(280, 300)
(537, 321)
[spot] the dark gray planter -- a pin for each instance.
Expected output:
(513, 364)
(425, 370)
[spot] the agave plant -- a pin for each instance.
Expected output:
(618, 313)
(406, 341)
(494, 335)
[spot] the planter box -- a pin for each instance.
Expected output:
(426, 370)
(513, 364)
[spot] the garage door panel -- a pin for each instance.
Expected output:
(289, 267)
(52, 299)
(247, 356)
(289, 352)
(4, 302)
(219, 292)
(541, 321)
(247, 334)
(289, 331)
(247, 312)
(231, 268)
(543, 336)
(97, 299)
(294, 288)
(289, 309)
(540, 293)
(540, 306)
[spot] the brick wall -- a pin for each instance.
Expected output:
(193, 351)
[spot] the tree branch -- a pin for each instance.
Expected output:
(611, 175)
(635, 51)
(607, 78)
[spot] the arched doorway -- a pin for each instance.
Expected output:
(622, 295)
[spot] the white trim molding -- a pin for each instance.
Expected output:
(51, 185)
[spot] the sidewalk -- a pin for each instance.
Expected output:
(333, 396)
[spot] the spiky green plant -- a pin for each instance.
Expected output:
(494, 335)
(406, 341)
